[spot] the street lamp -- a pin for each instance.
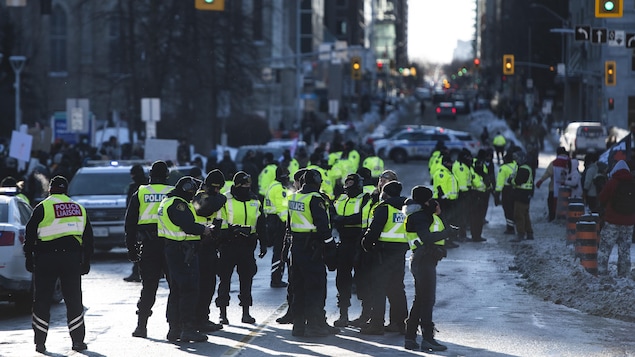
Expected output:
(17, 63)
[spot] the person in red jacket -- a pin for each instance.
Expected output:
(619, 217)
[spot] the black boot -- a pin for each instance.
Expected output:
(134, 277)
(363, 317)
(223, 315)
(287, 318)
(429, 343)
(174, 333)
(299, 326)
(246, 317)
(343, 320)
(141, 330)
(189, 334)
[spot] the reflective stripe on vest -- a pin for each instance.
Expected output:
(347, 206)
(150, 197)
(276, 201)
(301, 219)
(166, 228)
(244, 214)
(436, 226)
(62, 217)
(394, 229)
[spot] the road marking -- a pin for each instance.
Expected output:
(233, 351)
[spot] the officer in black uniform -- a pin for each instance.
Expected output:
(287, 318)
(312, 246)
(139, 178)
(142, 240)
(386, 240)
(353, 213)
(426, 236)
(58, 245)
(207, 202)
(245, 226)
(177, 225)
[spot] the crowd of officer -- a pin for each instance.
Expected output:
(197, 230)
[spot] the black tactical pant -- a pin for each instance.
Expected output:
(236, 253)
(183, 280)
(207, 269)
(388, 270)
(424, 271)
(275, 232)
(348, 255)
(49, 266)
(152, 268)
(308, 278)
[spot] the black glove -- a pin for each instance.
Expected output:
(85, 267)
(263, 250)
(29, 263)
(133, 255)
(330, 254)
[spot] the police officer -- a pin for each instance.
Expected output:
(207, 203)
(445, 190)
(462, 171)
(353, 213)
(426, 236)
(523, 184)
(386, 239)
(363, 275)
(477, 207)
(276, 212)
(375, 164)
(139, 178)
(142, 240)
(267, 175)
(287, 318)
(58, 245)
(312, 247)
(244, 226)
(9, 181)
(177, 225)
(503, 191)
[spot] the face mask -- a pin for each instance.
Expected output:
(383, 197)
(431, 207)
(242, 191)
(352, 191)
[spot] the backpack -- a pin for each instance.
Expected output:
(623, 200)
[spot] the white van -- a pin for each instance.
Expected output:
(582, 137)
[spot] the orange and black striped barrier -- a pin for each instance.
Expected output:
(586, 247)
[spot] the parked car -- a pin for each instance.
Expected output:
(446, 110)
(15, 280)
(419, 143)
(103, 190)
(583, 137)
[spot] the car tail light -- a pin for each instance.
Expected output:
(7, 238)
(438, 110)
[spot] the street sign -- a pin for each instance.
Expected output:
(150, 109)
(630, 40)
(598, 35)
(616, 38)
(583, 33)
(77, 111)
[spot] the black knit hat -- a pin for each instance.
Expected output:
(392, 188)
(59, 184)
(298, 176)
(313, 177)
(242, 178)
(159, 169)
(215, 178)
(421, 194)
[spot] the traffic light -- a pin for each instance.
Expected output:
(477, 62)
(611, 103)
(609, 8)
(508, 65)
(609, 73)
(210, 5)
(380, 66)
(356, 68)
